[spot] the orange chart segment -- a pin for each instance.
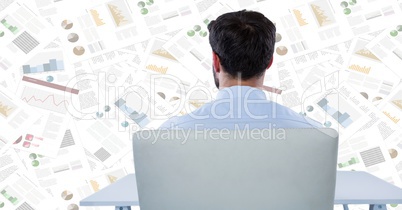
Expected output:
(393, 118)
(7, 107)
(299, 17)
(361, 69)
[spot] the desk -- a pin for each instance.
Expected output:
(352, 187)
(357, 187)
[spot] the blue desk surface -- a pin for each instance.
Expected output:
(352, 187)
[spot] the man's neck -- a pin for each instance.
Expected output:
(256, 83)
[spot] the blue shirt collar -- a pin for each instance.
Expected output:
(238, 91)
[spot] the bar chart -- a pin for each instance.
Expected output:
(52, 65)
(44, 62)
(10, 195)
(352, 161)
(10, 24)
(337, 107)
(140, 118)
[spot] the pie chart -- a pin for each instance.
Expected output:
(278, 37)
(66, 24)
(33, 156)
(162, 95)
(79, 50)
(72, 207)
(203, 33)
(174, 98)
(281, 50)
(73, 37)
(18, 140)
(35, 163)
(66, 195)
(378, 98)
(365, 95)
(393, 153)
(190, 33)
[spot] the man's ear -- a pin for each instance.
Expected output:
(270, 62)
(216, 62)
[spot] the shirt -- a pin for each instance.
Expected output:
(241, 107)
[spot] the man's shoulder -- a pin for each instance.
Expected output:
(286, 119)
(272, 111)
(171, 122)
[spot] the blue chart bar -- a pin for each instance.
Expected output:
(53, 65)
(342, 118)
(323, 103)
(140, 118)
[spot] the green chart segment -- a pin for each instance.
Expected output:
(9, 196)
(13, 29)
(352, 161)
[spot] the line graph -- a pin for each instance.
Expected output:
(49, 96)
(45, 100)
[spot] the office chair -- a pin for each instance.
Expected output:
(290, 169)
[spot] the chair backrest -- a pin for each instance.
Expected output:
(234, 169)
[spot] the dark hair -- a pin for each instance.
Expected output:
(244, 42)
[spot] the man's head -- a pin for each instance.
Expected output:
(243, 44)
